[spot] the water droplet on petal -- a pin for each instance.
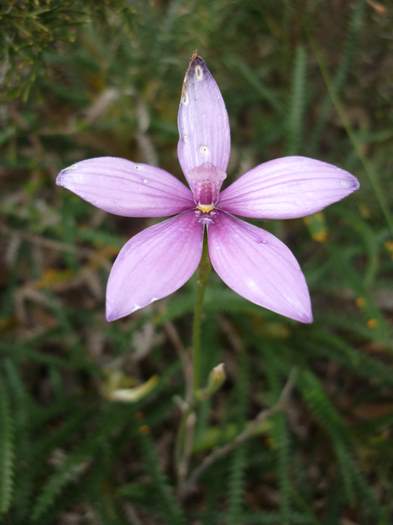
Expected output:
(135, 308)
(204, 149)
(145, 181)
(252, 284)
(184, 98)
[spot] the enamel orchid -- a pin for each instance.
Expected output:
(160, 259)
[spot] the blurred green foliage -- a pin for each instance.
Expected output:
(84, 78)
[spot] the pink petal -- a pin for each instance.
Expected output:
(287, 188)
(202, 121)
(259, 267)
(153, 264)
(124, 188)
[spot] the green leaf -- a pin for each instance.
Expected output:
(6, 450)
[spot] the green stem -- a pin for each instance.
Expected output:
(202, 278)
(185, 434)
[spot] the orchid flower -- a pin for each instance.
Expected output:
(160, 259)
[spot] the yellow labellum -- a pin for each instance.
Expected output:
(205, 208)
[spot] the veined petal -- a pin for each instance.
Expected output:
(202, 121)
(259, 267)
(125, 188)
(287, 188)
(153, 264)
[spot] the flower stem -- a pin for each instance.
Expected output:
(202, 278)
(185, 434)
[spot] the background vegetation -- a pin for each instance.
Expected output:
(81, 78)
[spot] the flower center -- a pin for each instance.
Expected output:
(205, 214)
(205, 182)
(205, 192)
(205, 208)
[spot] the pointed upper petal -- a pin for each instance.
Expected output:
(125, 188)
(153, 264)
(287, 188)
(259, 267)
(202, 121)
